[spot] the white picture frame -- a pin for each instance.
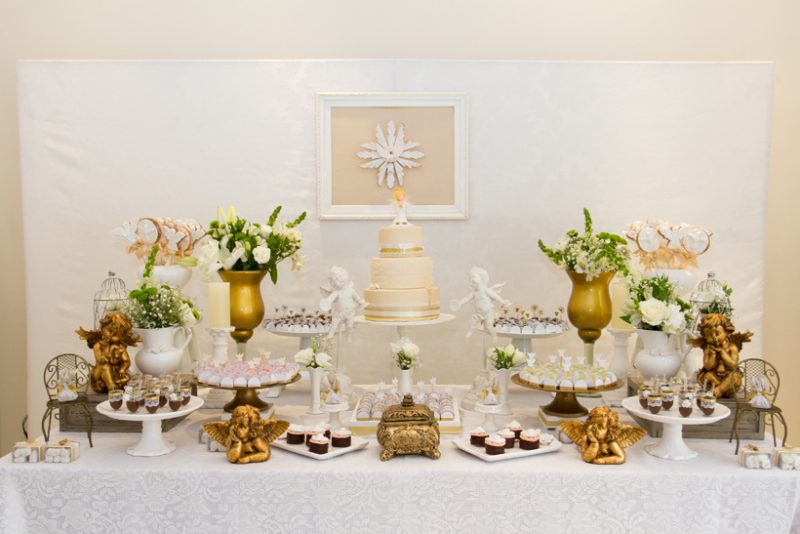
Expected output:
(328, 210)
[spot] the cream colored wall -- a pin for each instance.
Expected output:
(519, 29)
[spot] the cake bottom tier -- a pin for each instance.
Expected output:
(402, 304)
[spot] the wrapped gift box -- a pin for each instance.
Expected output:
(63, 452)
(753, 457)
(29, 452)
(787, 458)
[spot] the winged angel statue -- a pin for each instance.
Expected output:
(246, 436)
(602, 439)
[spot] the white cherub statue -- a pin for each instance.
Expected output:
(341, 300)
(484, 297)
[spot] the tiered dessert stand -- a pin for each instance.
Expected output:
(565, 404)
(671, 445)
(152, 442)
(248, 395)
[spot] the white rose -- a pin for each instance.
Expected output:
(304, 357)
(323, 359)
(653, 311)
(675, 319)
(262, 254)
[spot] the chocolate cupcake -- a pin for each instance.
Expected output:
(478, 437)
(296, 435)
(509, 436)
(495, 445)
(341, 438)
(318, 444)
(529, 439)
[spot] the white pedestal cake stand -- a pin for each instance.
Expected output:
(671, 445)
(152, 442)
(403, 326)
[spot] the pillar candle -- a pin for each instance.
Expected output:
(219, 305)
(619, 294)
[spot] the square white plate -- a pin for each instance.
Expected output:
(479, 452)
(333, 452)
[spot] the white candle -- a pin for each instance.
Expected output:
(619, 294)
(219, 305)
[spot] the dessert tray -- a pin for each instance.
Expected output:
(509, 454)
(248, 395)
(565, 403)
(152, 442)
(301, 449)
(671, 445)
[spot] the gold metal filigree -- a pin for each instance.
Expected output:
(246, 436)
(408, 428)
(721, 345)
(109, 344)
(602, 438)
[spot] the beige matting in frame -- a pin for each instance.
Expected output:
(436, 122)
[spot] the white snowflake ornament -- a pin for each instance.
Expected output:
(390, 154)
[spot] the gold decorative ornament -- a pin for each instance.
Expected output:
(246, 436)
(721, 345)
(109, 344)
(408, 428)
(602, 439)
(589, 306)
(247, 305)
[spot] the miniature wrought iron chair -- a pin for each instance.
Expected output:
(66, 363)
(752, 368)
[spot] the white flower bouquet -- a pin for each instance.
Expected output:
(154, 305)
(237, 244)
(653, 305)
(313, 356)
(590, 253)
(506, 357)
(406, 354)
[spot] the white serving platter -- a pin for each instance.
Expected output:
(301, 448)
(510, 454)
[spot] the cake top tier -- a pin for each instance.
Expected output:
(400, 240)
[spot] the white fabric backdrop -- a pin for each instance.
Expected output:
(106, 141)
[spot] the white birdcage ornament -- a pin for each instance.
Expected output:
(710, 296)
(112, 297)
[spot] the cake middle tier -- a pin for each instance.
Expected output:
(402, 304)
(401, 273)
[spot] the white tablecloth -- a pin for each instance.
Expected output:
(192, 490)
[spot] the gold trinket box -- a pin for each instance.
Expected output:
(408, 428)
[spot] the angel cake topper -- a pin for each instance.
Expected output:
(485, 297)
(663, 245)
(341, 301)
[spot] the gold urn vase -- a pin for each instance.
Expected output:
(589, 307)
(247, 306)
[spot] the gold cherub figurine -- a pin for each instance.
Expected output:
(721, 346)
(109, 345)
(602, 438)
(246, 436)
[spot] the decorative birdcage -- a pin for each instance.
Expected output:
(112, 297)
(710, 296)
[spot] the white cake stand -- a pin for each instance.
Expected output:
(152, 442)
(402, 326)
(671, 445)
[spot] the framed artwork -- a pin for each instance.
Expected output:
(371, 143)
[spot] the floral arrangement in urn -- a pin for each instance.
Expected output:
(237, 244)
(154, 305)
(654, 305)
(590, 253)
(506, 357)
(406, 354)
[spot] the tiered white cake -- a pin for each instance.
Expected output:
(401, 278)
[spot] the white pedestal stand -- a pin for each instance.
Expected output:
(152, 442)
(217, 398)
(671, 445)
